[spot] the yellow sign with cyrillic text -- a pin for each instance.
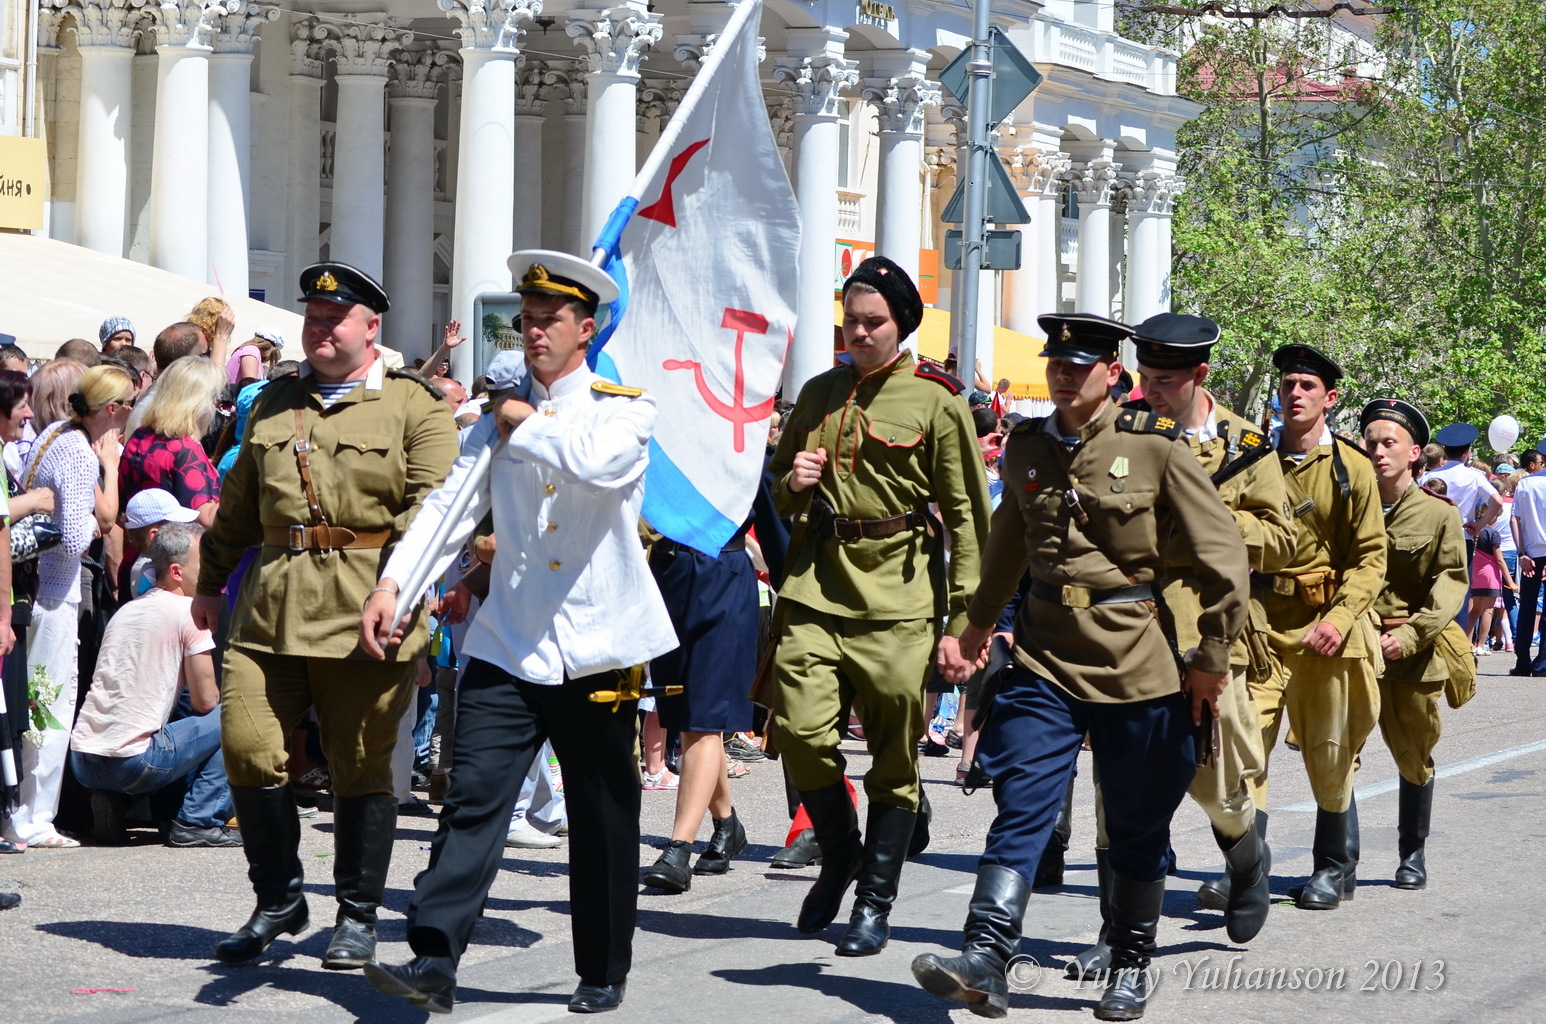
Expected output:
(23, 182)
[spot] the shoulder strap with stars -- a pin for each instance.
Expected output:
(1137, 421)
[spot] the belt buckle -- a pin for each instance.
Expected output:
(844, 528)
(297, 537)
(1285, 587)
(1075, 597)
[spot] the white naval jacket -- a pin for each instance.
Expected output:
(570, 592)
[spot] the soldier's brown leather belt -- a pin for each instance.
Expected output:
(1393, 621)
(844, 528)
(324, 538)
(1070, 596)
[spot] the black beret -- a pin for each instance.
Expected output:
(1399, 412)
(893, 284)
(1458, 435)
(1082, 338)
(1175, 341)
(339, 282)
(1304, 359)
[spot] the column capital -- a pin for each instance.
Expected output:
(1037, 171)
(1152, 192)
(530, 100)
(188, 23)
(781, 118)
(1093, 181)
(362, 47)
(98, 22)
(238, 30)
(565, 80)
(659, 98)
(691, 49)
(491, 24)
(614, 38)
(817, 83)
(414, 74)
(306, 36)
(901, 102)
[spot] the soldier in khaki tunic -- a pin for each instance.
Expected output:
(1096, 501)
(880, 438)
(336, 464)
(1425, 586)
(1318, 612)
(1173, 351)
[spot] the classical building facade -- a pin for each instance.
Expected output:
(235, 142)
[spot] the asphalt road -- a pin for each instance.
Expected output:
(123, 935)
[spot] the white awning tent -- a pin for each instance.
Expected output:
(51, 291)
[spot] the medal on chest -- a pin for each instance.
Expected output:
(1032, 485)
(1119, 470)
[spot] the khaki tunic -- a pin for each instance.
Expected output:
(1425, 581)
(376, 454)
(895, 442)
(1143, 494)
(1342, 535)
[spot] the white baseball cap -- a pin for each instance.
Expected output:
(153, 506)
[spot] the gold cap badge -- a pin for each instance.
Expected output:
(538, 279)
(326, 283)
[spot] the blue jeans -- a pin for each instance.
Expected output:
(424, 723)
(187, 749)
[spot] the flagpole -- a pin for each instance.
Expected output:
(412, 588)
(613, 231)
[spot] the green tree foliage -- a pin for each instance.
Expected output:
(1390, 210)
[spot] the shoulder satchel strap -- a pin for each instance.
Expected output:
(303, 462)
(32, 474)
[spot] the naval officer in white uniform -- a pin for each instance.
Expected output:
(572, 608)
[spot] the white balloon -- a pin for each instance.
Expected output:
(1502, 432)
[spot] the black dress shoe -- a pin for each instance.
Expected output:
(597, 998)
(352, 946)
(728, 841)
(801, 853)
(428, 982)
(670, 873)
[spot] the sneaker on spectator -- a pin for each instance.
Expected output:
(740, 748)
(526, 836)
(664, 780)
(185, 835)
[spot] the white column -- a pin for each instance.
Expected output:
(363, 53)
(532, 92)
(230, 146)
(572, 202)
(303, 219)
(1093, 181)
(614, 40)
(408, 271)
(491, 37)
(901, 93)
(1162, 243)
(1148, 201)
(817, 81)
(179, 177)
(105, 35)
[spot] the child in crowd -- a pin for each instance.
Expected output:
(148, 511)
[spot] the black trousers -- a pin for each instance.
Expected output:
(501, 722)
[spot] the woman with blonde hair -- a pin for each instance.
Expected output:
(215, 317)
(51, 387)
(164, 451)
(66, 459)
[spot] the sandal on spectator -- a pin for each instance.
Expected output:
(736, 770)
(56, 842)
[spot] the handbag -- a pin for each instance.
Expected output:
(34, 534)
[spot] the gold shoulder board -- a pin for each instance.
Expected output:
(606, 387)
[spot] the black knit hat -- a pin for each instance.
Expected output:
(893, 284)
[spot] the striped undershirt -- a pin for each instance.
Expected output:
(331, 393)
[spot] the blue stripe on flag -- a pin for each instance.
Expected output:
(674, 507)
(611, 241)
